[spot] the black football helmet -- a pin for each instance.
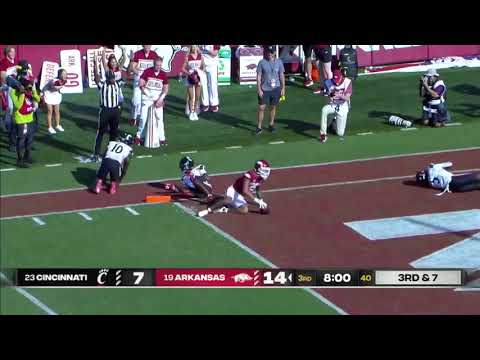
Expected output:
(186, 163)
(421, 177)
(126, 138)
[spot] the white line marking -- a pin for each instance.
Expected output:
(189, 152)
(365, 133)
(233, 147)
(38, 220)
(143, 156)
(265, 191)
(131, 211)
(8, 169)
(408, 129)
(255, 254)
(275, 168)
(453, 124)
(276, 142)
(85, 216)
(29, 296)
(53, 165)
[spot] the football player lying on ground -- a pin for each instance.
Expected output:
(115, 163)
(241, 193)
(437, 177)
(194, 180)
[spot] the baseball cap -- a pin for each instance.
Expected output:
(270, 48)
(432, 72)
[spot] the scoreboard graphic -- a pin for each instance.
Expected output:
(245, 278)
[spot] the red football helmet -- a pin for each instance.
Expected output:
(338, 77)
(262, 168)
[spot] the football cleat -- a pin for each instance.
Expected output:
(113, 188)
(308, 83)
(136, 141)
(323, 138)
(98, 186)
(203, 213)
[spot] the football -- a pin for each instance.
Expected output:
(265, 211)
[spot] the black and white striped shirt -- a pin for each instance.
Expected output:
(109, 94)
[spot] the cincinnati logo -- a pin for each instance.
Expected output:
(101, 278)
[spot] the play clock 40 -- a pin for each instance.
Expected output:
(336, 278)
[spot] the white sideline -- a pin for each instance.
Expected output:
(255, 254)
(29, 296)
(274, 168)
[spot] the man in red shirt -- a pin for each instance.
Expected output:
(244, 191)
(140, 61)
(153, 85)
(8, 67)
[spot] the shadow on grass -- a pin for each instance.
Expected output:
(299, 126)
(384, 115)
(466, 89)
(84, 176)
(470, 110)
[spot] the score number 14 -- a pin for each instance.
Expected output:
(280, 279)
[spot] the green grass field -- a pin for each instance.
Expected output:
(165, 236)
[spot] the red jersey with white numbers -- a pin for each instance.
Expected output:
(255, 181)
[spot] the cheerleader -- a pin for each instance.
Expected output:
(116, 67)
(192, 66)
(53, 97)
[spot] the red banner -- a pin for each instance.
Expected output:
(208, 277)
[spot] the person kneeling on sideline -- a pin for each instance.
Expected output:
(114, 163)
(435, 176)
(241, 193)
(339, 104)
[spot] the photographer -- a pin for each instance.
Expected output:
(23, 99)
(433, 91)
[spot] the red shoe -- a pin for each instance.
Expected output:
(308, 83)
(318, 90)
(323, 138)
(215, 108)
(113, 188)
(136, 141)
(204, 108)
(133, 122)
(98, 186)
(164, 143)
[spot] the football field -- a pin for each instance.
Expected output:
(316, 191)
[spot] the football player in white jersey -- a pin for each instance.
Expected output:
(115, 163)
(436, 176)
(194, 180)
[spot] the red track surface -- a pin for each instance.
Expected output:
(306, 227)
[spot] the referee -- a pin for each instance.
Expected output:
(109, 116)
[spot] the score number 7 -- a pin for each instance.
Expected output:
(138, 277)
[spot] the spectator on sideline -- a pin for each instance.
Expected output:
(154, 87)
(192, 67)
(339, 105)
(139, 62)
(109, 116)
(53, 98)
(323, 55)
(23, 100)
(307, 65)
(8, 67)
(209, 78)
(433, 91)
(270, 86)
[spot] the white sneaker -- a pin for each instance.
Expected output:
(203, 213)
(60, 128)
(222, 210)
(191, 116)
(195, 115)
(51, 130)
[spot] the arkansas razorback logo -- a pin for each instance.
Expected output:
(251, 66)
